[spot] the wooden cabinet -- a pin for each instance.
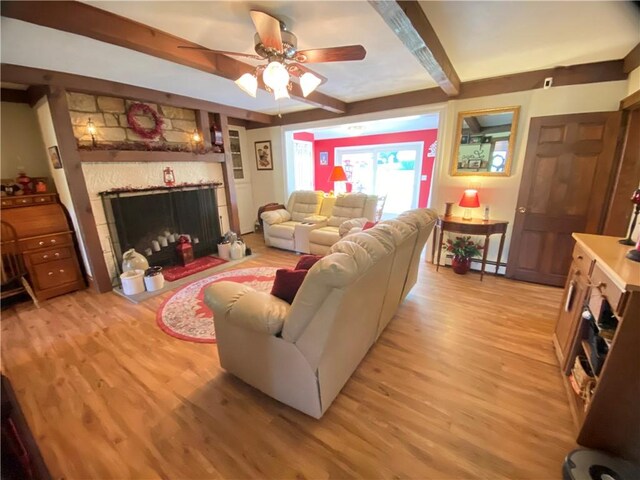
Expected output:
(606, 285)
(46, 242)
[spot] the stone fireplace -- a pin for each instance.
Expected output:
(109, 116)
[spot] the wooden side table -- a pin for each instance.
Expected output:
(474, 226)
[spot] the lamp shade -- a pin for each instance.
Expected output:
(338, 174)
(470, 199)
(248, 83)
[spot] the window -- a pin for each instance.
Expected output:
(304, 168)
(392, 170)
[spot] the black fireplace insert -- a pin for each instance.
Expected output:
(151, 221)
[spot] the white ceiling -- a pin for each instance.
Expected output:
(483, 39)
(376, 127)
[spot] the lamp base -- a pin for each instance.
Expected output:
(634, 255)
(467, 214)
(627, 241)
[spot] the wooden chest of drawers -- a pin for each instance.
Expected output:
(46, 241)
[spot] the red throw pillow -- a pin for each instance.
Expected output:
(287, 283)
(307, 261)
(369, 225)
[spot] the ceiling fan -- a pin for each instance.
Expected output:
(279, 47)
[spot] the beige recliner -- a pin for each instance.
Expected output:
(280, 225)
(302, 354)
(346, 208)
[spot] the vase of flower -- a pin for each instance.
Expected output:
(461, 265)
(463, 250)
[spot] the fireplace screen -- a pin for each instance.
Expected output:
(152, 221)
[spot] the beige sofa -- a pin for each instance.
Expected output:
(280, 225)
(347, 208)
(311, 222)
(302, 354)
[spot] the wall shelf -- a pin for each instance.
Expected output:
(108, 156)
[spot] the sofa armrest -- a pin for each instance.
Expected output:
(243, 306)
(275, 216)
(348, 225)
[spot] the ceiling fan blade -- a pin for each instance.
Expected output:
(297, 69)
(222, 52)
(268, 29)
(333, 54)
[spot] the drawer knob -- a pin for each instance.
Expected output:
(56, 254)
(23, 201)
(40, 243)
(53, 241)
(50, 273)
(61, 270)
(44, 257)
(580, 257)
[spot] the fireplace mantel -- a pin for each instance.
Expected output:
(158, 188)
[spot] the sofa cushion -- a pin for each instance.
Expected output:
(348, 225)
(324, 236)
(275, 216)
(304, 203)
(307, 261)
(282, 230)
(287, 283)
(347, 207)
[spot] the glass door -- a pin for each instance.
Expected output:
(392, 170)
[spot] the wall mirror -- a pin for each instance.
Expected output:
(484, 142)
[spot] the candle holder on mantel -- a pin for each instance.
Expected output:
(635, 199)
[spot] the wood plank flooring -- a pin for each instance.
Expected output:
(462, 384)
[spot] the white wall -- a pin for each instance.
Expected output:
(45, 122)
(22, 144)
(267, 185)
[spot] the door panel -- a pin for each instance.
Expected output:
(564, 187)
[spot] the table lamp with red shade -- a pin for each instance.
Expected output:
(469, 200)
(338, 175)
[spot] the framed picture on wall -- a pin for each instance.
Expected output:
(54, 156)
(324, 158)
(264, 158)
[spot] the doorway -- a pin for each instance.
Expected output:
(392, 156)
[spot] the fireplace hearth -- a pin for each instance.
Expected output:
(151, 220)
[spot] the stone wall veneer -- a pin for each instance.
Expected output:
(109, 115)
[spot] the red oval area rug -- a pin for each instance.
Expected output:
(184, 314)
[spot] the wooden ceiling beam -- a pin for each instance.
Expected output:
(14, 96)
(409, 22)
(608, 71)
(82, 84)
(474, 124)
(632, 60)
(83, 19)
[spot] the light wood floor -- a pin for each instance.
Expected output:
(462, 384)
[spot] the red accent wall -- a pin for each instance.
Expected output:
(304, 136)
(322, 172)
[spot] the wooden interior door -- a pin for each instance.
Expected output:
(564, 189)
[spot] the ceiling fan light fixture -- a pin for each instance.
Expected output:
(276, 77)
(248, 83)
(308, 83)
(280, 93)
